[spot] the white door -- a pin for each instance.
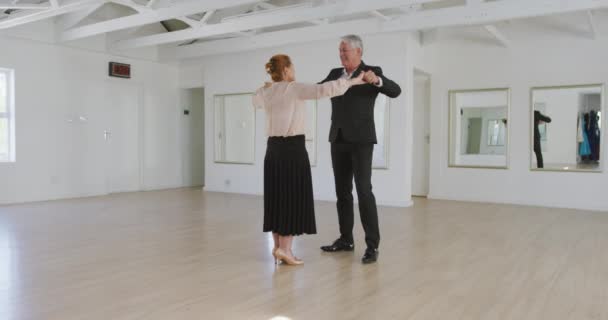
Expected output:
(121, 135)
(421, 156)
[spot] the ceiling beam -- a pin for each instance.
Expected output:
(246, 33)
(273, 39)
(483, 14)
(269, 6)
(494, 11)
(207, 16)
(266, 5)
(147, 8)
(320, 22)
(32, 6)
(379, 14)
(151, 4)
(69, 20)
(21, 18)
(411, 8)
(148, 17)
(491, 29)
(133, 5)
(190, 22)
(500, 37)
(262, 19)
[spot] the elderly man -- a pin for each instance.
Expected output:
(352, 136)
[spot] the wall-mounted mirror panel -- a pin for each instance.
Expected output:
(566, 127)
(234, 121)
(478, 128)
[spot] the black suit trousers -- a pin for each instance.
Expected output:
(539, 156)
(355, 160)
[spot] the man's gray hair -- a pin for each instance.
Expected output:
(354, 41)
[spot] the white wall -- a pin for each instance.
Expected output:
(527, 63)
(57, 158)
(244, 72)
(45, 31)
(161, 133)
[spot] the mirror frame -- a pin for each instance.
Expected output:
(507, 138)
(215, 96)
(531, 127)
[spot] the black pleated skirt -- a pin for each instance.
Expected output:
(288, 197)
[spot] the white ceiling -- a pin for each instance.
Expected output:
(188, 28)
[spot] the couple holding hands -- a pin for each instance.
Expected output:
(288, 194)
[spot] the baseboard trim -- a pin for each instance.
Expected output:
(520, 203)
(324, 198)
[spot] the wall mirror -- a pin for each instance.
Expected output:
(381, 120)
(478, 128)
(566, 126)
(234, 121)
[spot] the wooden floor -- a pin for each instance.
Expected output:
(181, 254)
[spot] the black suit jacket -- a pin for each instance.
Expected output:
(353, 112)
(538, 117)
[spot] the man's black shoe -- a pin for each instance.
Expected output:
(339, 245)
(370, 256)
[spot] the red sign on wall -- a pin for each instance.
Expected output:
(120, 70)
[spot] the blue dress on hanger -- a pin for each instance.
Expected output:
(585, 148)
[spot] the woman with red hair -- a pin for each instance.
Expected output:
(288, 196)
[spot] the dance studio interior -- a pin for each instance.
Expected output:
(135, 175)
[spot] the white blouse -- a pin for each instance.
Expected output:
(284, 104)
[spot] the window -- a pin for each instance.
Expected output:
(7, 116)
